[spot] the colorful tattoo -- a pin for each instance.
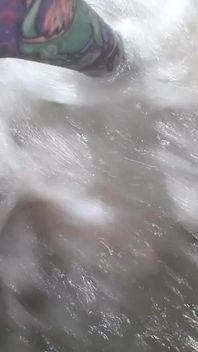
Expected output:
(61, 32)
(12, 13)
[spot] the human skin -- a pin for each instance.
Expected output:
(65, 33)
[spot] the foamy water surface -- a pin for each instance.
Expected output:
(99, 193)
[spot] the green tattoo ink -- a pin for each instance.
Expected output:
(69, 33)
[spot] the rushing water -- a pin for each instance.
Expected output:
(99, 194)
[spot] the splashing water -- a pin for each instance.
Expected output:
(98, 211)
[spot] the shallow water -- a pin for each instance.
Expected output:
(99, 244)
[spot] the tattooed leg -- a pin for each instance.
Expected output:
(67, 33)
